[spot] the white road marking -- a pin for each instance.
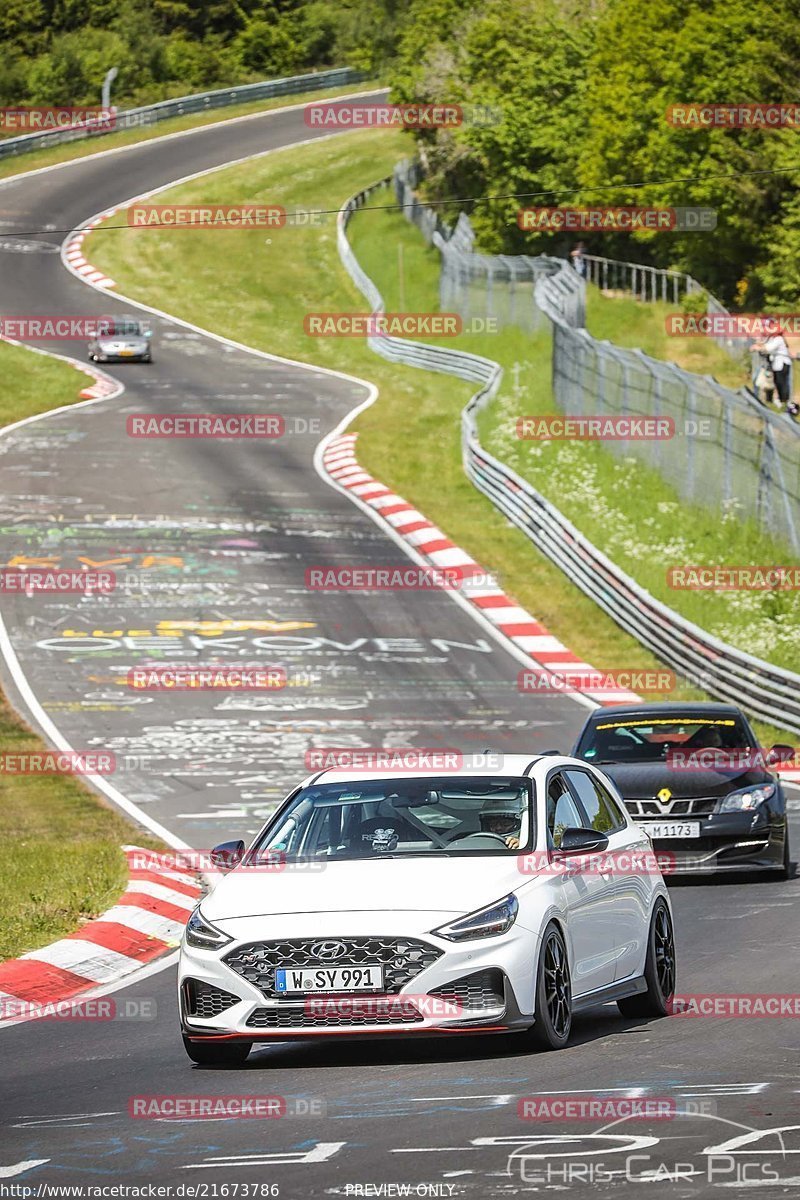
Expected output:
(84, 958)
(18, 1168)
(63, 1120)
(162, 891)
(319, 1153)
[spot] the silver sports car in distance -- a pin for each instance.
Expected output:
(121, 339)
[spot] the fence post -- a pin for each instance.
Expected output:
(763, 499)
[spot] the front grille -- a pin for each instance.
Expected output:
(696, 807)
(297, 1017)
(204, 1000)
(401, 958)
(481, 990)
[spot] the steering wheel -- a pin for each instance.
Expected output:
(480, 839)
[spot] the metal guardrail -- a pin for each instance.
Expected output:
(644, 283)
(734, 453)
(651, 284)
(766, 691)
(150, 114)
(746, 454)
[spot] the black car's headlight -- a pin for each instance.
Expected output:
(747, 799)
(484, 922)
(202, 934)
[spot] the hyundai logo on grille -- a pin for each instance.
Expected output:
(328, 951)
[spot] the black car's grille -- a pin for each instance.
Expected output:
(481, 990)
(401, 958)
(296, 1016)
(701, 806)
(204, 1000)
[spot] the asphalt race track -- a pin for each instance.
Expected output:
(210, 541)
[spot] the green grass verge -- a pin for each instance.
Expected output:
(32, 383)
(61, 861)
(627, 509)
(60, 856)
(636, 325)
(68, 151)
(258, 292)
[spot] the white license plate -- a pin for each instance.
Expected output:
(673, 829)
(319, 978)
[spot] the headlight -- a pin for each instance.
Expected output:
(484, 922)
(748, 798)
(204, 935)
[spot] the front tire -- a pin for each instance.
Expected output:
(553, 1023)
(786, 867)
(659, 970)
(217, 1054)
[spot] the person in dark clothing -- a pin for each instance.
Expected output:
(779, 357)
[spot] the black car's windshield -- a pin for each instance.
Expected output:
(399, 817)
(656, 739)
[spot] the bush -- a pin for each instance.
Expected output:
(695, 302)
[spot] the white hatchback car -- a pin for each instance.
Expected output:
(470, 901)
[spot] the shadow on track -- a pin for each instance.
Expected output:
(587, 1029)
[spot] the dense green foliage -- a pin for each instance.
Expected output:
(578, 92)
(581, 93)
(57, 51)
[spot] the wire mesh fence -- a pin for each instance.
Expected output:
(499, 286)
(763, 689)
(728, 450)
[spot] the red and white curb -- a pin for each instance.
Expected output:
(73, 253)
(146, 922)
(524, 631)
(103, 384)
(515, 623)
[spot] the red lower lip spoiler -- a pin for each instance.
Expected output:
(259, 1035)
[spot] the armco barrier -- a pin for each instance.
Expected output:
(748, 457)
(762, 689)
(148, 114)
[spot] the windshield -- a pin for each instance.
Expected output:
(654, 739)
(403, 817)
(122, 328)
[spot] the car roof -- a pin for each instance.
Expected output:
(694, 708)
(515, 765)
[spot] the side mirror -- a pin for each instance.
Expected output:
(582, 841)
(780, 753)
(227, 855)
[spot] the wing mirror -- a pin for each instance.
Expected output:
(779, 753)
(582, 841)
(227, 855)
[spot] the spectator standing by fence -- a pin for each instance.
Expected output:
(779, 357)
(578, 256)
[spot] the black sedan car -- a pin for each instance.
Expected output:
(695, 777)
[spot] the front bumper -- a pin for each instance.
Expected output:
(731, 842)
(142, 356)
(493, 993)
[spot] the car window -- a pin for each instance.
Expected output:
(654, 739)
(562, 812)
(425, 815)
(602, 811)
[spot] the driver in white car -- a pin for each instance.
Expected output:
(500, 817)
